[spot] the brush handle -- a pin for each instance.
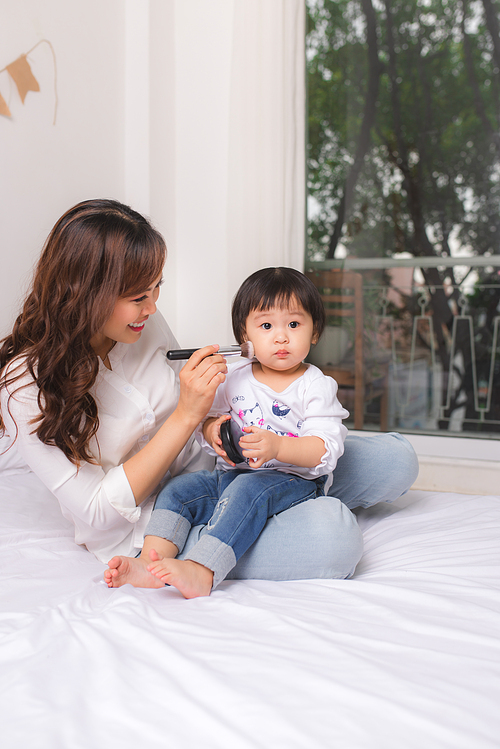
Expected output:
(185, 353)
(182, 353)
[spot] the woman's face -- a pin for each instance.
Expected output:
(127, 320)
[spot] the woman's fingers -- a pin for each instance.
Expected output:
(204, 365)
(203, 359)
(200, 370)
(198, 356)
(199, 379)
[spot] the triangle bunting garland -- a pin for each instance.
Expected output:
(21, 74)
(4, 109)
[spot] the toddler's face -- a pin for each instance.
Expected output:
(281, 337)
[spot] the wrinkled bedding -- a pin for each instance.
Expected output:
(405, 655)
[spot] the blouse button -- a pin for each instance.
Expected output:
(127, 389)
(149, 417)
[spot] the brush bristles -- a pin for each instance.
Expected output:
(247, 350)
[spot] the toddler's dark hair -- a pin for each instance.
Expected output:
(276, 287)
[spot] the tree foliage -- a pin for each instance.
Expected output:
(404, 113)
(404, 139)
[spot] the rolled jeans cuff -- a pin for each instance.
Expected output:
(170, 526)
(214, 554)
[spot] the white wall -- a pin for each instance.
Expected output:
(457, 464)
(45, 168)
(143, 92)
(191, 111)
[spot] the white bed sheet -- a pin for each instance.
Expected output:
(405, 655)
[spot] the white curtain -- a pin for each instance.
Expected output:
(227, 91)
(266, 170)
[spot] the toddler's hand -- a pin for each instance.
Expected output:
(259, 446)
(211, 432)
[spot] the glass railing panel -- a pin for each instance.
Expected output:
(433, 351)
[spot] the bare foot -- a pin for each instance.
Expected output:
(190, 578)
(132, 570)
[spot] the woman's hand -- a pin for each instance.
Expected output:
(199, 379)
(211, 432)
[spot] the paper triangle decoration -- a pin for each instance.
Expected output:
(21, 74)
(4, 109)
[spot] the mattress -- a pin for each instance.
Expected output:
(405, 654)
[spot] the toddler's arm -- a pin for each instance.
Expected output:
(322, 434)
(261, 445)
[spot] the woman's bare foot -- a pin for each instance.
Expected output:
(132, 570)
(190, 578)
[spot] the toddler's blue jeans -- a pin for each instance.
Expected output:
(321, 538)
(234, 505)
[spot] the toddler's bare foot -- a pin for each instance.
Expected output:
(132, 570)
(190, 578)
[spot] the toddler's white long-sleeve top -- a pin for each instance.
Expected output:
(307, 407)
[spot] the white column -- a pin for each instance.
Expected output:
(227, 151)
(266, 211)
(137, 105)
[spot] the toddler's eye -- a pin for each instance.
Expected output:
(294, 324)
(267, 325)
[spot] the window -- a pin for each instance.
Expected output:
(404, 188)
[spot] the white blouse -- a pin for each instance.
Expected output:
(133, 399)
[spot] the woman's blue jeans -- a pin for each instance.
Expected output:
(320, 538)
(234, 505)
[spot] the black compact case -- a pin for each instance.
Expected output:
(228, 443)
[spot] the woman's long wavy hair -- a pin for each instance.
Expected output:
(99, 251)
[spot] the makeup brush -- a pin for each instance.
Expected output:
(245, 350)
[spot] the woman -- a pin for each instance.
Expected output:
(91, 404)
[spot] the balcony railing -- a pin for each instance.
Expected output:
(438, 344)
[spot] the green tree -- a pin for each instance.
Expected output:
(404, 142)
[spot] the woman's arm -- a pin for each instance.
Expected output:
(199, 380)
(103, 497)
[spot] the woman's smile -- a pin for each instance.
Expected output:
(118, 328)
(138, 327)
